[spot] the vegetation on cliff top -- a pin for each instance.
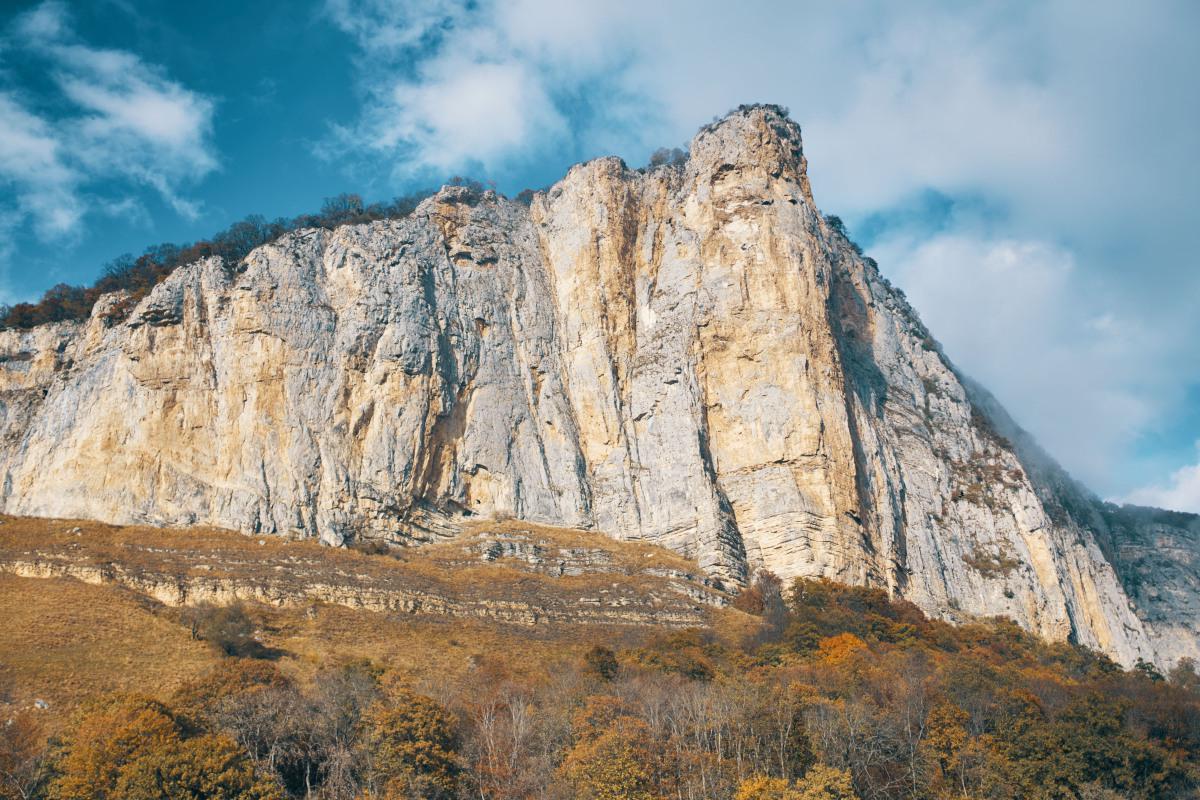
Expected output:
(139, 275)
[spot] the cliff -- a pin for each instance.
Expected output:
(689, 356)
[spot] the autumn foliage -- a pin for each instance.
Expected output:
(135, 748)
(827, 692)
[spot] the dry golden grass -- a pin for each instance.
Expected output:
(62, 640)
(425, 650)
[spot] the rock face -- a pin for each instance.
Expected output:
(691, 356)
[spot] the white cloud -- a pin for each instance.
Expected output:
(33, 162)
(386, 28)
(127, 122)
(452, 86)
(464, 112)
(1180, 492)
(9, 220)
(46, 21)
(135, 123)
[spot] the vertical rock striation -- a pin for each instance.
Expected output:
(689, 356)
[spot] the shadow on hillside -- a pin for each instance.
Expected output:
(256, 650)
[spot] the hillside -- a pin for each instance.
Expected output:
(832, 690)
(506, 571)
(94, 608)
(689, 355)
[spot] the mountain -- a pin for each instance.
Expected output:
(689, 355)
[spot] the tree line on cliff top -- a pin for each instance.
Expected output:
(138, 275)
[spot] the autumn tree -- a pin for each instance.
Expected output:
(946, 741)
(825, 783)
(841, 649)
(615, 756)
(1085, 744)
(22, 755)
(234, 681)
(260, 709)
(1184, 675)
(820, 783)
(602, 662)
(201, 768)
(763, 787)
(134, 748)
(412, 746)
(107, 737)
(511, 739)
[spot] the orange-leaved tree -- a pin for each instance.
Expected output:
(411, 748)
(134, 748)
(615, 757)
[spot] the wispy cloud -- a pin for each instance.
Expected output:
(459, 85)
(34, 162)
(135, 122)
(118, 121)
(1015, 315)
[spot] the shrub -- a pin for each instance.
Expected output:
(370, 547)
(21, 757)
(233, 681)
(839, 227)
(227, 627)
(602, 662)
(663, 156)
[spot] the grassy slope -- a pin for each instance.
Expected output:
(63, 640)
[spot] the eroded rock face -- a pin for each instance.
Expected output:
(689, 356)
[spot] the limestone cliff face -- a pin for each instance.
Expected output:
(689, 356)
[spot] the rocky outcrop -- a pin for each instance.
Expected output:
(690, 356)
(509, 572)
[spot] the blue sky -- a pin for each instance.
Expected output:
(1027, 173)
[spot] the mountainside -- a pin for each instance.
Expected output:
(690, 356)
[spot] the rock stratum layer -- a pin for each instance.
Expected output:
(690, 356)
(508, 572)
